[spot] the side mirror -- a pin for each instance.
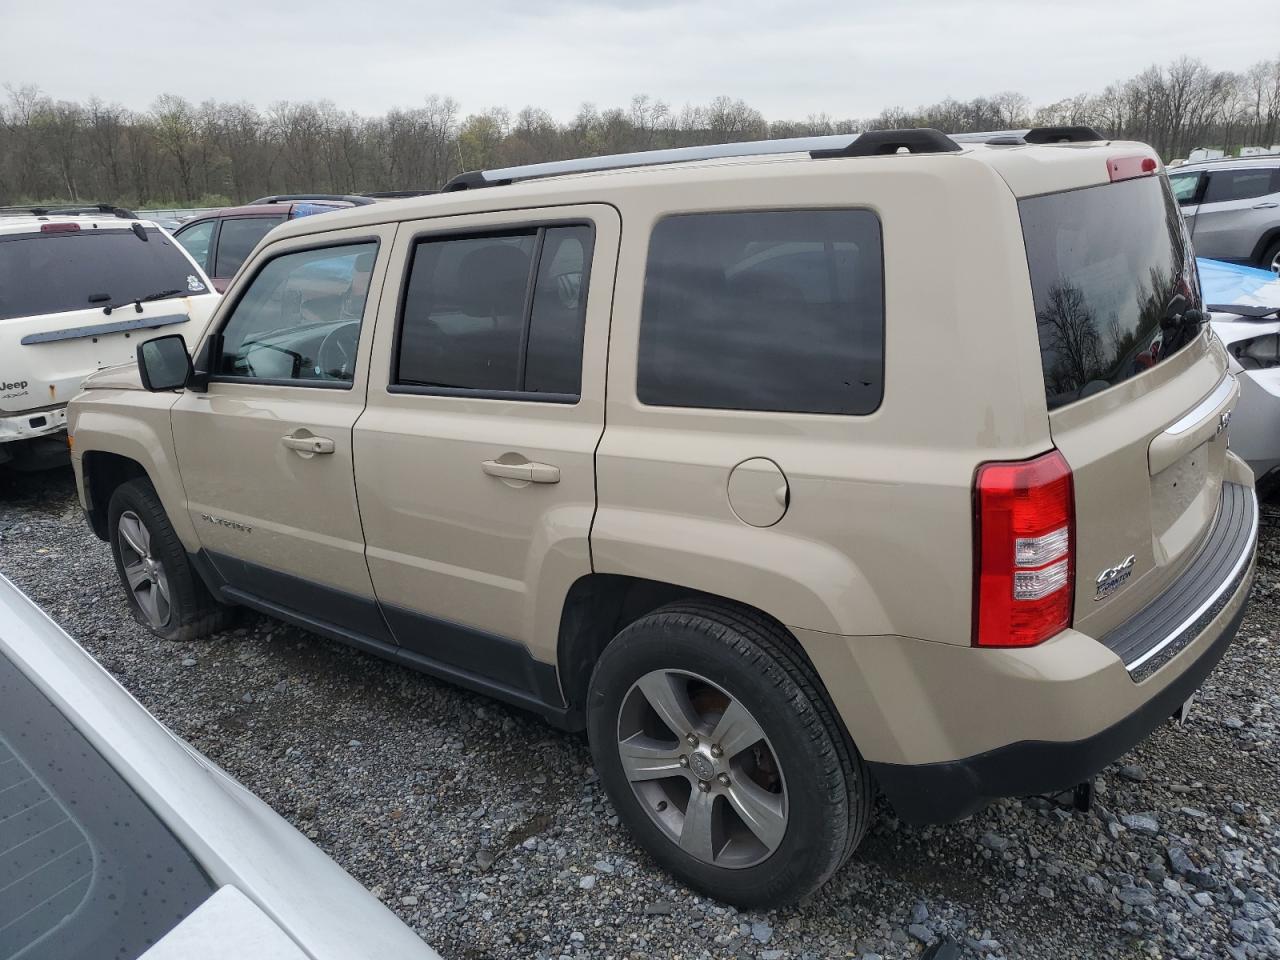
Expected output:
(164, 363)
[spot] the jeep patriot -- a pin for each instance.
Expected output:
(696, 451)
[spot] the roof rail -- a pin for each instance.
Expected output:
(396, 194)
(835, 145)
(1010, 138)
(68, 210)
(350, 198)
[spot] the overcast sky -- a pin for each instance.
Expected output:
(847, 59)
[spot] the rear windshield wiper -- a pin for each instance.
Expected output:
(139, 301)
(1244, 310)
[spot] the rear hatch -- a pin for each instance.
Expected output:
(55, 288)
(1136, 389)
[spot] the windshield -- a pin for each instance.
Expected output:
(1112, 281)
(86, 869)
(90, 268)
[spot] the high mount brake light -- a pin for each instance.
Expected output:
(59, 228)
(1127, 168)
(1024, 551)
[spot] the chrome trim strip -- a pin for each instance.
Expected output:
(101, 329)
(1245, 558)
(1202, 410)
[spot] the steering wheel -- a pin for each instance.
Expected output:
(336, 357)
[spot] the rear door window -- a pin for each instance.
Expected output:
(1227, 185)
(498, 313)
(59, 272)
(236, 240)
(778, 310)
(1111, 276)
(195, 239)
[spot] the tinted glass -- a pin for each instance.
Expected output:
(469, 323)
(775, 311)
(1184, 186)
(237, 239)
(87, 871)
(300, 317)
(196, 239)
(1237, 185)
(554, 361)
(57, 272)
(1110, 275)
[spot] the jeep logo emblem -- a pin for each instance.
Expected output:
(1111, 579)
(16, 385)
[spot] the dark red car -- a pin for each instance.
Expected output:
(223, 239)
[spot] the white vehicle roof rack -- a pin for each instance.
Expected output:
(870, 143)
(1008, 138)
(68, 210)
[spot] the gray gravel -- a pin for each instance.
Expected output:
(487, 831)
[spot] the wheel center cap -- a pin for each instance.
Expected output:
(702, 766)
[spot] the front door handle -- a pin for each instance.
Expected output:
(527, 471)
(308, 444)
(1266, 205)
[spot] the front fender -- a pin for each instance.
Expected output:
(134, 425)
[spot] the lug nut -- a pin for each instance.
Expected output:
(692, 740)
(717, 751)
(724, 779)
(684, 761)
(704, 786)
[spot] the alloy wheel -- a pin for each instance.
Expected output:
(144, 574)
(702, 768)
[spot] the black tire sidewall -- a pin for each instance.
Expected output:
(816, 824)
(139, 497)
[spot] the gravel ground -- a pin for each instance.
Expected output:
(488, 832)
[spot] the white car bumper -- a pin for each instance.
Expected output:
(25, 426)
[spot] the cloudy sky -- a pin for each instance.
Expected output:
(847, 59)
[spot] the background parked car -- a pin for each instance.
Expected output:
(222, 239)
(79, 287)
(1232, 208)
(1244, 304)
(117, 838)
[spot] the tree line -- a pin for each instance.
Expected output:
(179, 153)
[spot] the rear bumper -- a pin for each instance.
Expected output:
(947, 728)
(26, 426)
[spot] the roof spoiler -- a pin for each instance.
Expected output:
(870, 143)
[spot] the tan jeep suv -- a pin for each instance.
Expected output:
(707, 452)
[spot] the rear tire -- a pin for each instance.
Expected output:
(162, 588)
(780, 814)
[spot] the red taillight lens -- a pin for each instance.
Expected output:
(1024, 556)
(1126, 168)
(60, 228)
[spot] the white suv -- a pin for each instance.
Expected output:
(80, 287)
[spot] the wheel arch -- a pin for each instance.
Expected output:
(104, 473)
(1268, 238)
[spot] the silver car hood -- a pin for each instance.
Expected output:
(268, 874)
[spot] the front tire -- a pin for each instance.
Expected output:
(1271, 259)
(723, 755)
(163, 590)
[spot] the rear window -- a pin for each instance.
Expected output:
(1111, 275)
(236, 240)
(87, 871)
(773, 311)
(58, 272)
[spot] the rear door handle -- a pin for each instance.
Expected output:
(1266, 205)
(308, 444)
(531, 472)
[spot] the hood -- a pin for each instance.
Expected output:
(123, 376)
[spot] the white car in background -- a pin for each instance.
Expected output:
(118, 840)
(80, 288)
(1244, 310)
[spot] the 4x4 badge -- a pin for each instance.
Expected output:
(1111, 579)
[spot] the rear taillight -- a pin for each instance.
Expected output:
(1024, 554)
(60, 228)
(1126, 168)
